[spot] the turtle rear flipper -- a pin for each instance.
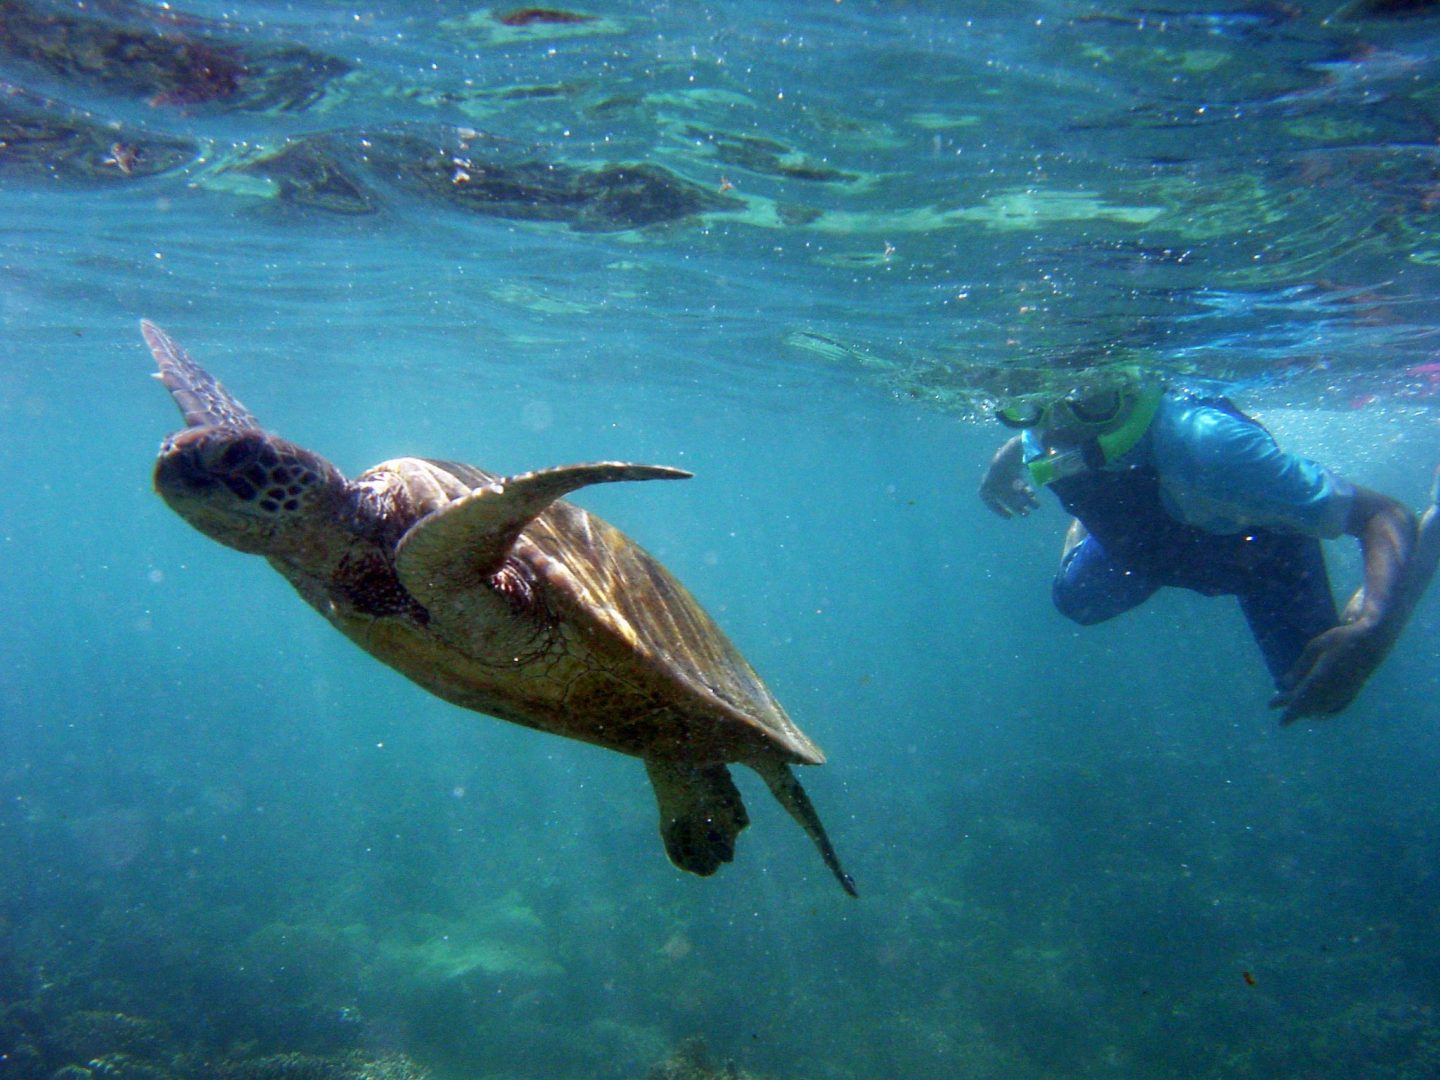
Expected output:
(786, 788)
(700, 813)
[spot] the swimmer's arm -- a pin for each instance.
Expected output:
(1336, 664)
(1386, 531)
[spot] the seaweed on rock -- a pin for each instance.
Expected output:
(50, 141)
(595, 198)
(339, 172)
(155, 55)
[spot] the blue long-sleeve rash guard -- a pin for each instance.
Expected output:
(1226, 475)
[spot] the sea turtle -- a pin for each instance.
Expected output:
(493, 594)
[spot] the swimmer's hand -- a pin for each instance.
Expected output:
(1332, 669)
(1005, 487)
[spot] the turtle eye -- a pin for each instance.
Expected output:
(230, 456)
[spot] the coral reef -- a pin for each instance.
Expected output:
(692, 1060)
(353, 1066)
(89, 1044)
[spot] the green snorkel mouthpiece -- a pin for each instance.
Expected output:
(1055, 466)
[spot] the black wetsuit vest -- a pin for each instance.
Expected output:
(1123, 510)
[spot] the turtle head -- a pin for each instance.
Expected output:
(233, 481)
(246, 488)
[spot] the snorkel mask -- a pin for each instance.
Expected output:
(1108, 420)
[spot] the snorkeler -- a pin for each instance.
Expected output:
(1171, 489)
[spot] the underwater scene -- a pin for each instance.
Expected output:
(797, 258)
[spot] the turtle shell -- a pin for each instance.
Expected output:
(601, 582)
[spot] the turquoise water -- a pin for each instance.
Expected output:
(234, 845)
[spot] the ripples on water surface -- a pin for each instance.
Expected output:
(801, 250)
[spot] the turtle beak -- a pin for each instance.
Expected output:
(182, 465)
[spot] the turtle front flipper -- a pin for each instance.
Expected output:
(786, 788)
(459, 545)
(201, 399)
(700, 813)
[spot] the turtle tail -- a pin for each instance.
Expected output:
(786, 788)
